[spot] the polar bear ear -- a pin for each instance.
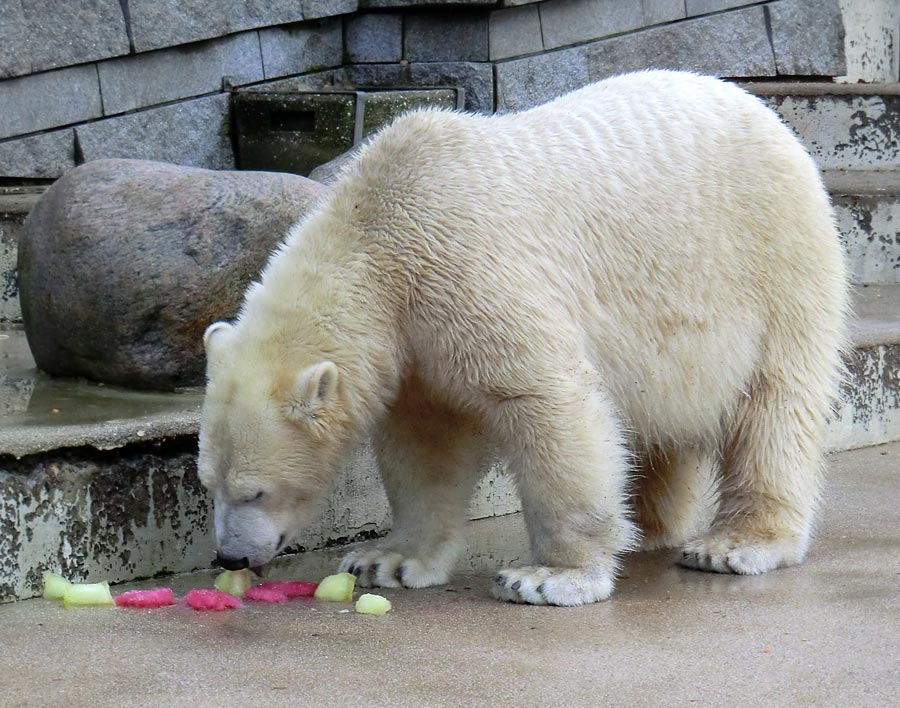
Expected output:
(316, 387)
(214, 339)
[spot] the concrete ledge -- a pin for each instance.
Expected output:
(818, 88)
(862, 182)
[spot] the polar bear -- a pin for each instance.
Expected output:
(618, 289)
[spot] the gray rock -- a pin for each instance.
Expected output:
(374, 38)
(166, 23)
(808, 37)
(123, 264)
(300, 48)
(188, 133)
(48, 100)
(169, 74)
(45, 34)
(443, 36)
(43, 155)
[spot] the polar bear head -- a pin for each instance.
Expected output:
(272, 436)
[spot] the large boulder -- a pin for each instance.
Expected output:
(123, 263)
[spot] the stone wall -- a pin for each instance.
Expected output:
(86, 79)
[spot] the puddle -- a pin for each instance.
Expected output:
(36, 406)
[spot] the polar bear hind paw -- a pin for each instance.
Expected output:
(742, 553)
(390, 569)
(542, 585)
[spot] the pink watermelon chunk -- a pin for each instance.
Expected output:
(212, 600)
(265, 594)
(161, 597)
(291, 588)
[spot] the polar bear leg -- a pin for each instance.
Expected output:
(769, 486)
(672, 488)
(571, 467)
(430, 459)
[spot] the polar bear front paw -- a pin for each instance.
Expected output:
(541, 585)
(389, 569)
(742, 553)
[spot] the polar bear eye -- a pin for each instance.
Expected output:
(257, 497)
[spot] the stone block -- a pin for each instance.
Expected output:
(567, 22)
(659, 11)
(808, 37)
(48, 100)
(372, 38)
(446, 36)
(301, 48)
(42, 155)
(476, 78)
(380, 4)
(728, 44)
(45, 34)
(524, 83)
(314, 81)
(703, 7)
(313, 9)
(514, 32)
(180, 72)
(166, 23)
(188, 133)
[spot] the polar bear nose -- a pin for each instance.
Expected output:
(232, 563)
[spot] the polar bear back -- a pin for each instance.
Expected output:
(664, 229)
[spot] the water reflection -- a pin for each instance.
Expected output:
(31, 397)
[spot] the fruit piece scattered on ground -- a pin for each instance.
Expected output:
(291, 588)
(55, 586)
(212, 600)
(264, 594)
(234, 582)
(161, 597)
(336, 588)
(370, 604)
(85, 594)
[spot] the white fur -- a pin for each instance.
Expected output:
(623, 289)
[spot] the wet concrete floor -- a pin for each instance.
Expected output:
(823, 634)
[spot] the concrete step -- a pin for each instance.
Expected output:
(867, 210)
(845, 126)
(99, 482)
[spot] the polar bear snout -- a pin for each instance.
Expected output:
(246, 536)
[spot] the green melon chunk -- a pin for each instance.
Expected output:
(234, 582)
(336, 588)
(55, 586)
(370, 604)
(84, 594)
